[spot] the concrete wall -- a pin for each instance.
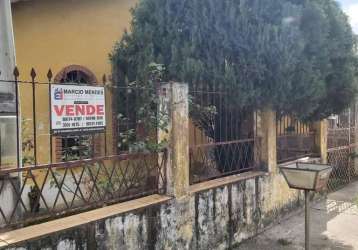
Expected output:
(219, 218)
(202, 216)
(209, 215)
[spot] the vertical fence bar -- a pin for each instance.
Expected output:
(201, 86)
(49, 77)
(226, 112)
(194, 100)
(213, 103)
(278, 125)
(16, 76)
(232, 122)
(127, 94)
(0, 147)
(104, 81)
(207, 137)
(220, 110)
(297, 127)
(349, 126)
(65, 138)
(33, 75)
(349, 144)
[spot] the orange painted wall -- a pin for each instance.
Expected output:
(54, 34)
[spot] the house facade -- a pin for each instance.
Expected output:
(139, 200)
(74, 40)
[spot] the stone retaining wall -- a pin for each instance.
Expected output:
(218, 218)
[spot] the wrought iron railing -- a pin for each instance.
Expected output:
(36, 193)
(342, 150)
(214, 160)
(222, 133)
(294, 146)
(131, 116)
(342, 161)
(295, 139)
(338, 137)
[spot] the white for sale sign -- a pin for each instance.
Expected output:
(77, 109)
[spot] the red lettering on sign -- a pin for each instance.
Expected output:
(100, 110)
(69, 110)
(90, 110)
(80, 110)
(59, 111)
(77, 110)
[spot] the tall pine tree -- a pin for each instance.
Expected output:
(295, 56)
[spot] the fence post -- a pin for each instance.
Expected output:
(174, 104)
(266, 130)
(321, 136)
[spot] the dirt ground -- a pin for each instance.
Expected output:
(334, 225)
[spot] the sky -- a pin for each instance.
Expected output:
(351, 8)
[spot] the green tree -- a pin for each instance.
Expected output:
(295, 56)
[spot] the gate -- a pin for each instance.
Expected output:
(342, 150)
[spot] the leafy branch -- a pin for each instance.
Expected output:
(140, 134)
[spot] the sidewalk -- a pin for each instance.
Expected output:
(334, 225)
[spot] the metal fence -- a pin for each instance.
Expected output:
(81, 171)
(342, 149)
(33, 114)
(222, 135)
(50, 191)
(131, 114)
(295, 139)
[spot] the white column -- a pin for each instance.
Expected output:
(8, 128)
(7, 46)
(7, 56)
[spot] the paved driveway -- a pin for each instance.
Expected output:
(334, 225)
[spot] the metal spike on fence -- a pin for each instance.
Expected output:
(104, 79)
(16, 72)
(49, 75)
(33, 74)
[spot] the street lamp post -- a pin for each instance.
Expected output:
(307, 177)
(307, 220)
